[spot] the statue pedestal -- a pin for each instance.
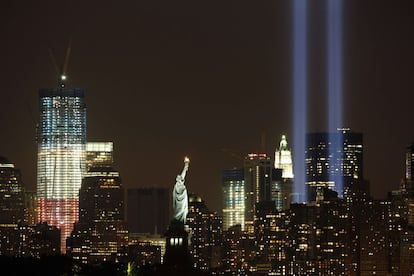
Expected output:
(176, 247)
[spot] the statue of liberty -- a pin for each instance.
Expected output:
(180, 198)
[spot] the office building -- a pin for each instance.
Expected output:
(101, 232)
(319, 237)
(99, 154)
(12, 196)
(283, 159)
(281, 190)
(135, 242)
(148, 210)
(409, 162)
(333, 160)
(205, 233)
(258, 177)
(233, 198)
(12, 209)
(30, 207)
(61, 166)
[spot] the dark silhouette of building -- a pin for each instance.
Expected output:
(148, 210)
(281, 190)
(258, 177)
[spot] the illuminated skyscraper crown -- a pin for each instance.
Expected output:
(283, 158)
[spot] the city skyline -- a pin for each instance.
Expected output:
(212, 81)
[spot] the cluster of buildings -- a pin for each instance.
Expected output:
(81, 209)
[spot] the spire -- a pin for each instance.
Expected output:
(283, 158)
(61, 71)
(283, 143)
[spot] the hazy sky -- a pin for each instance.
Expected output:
(207, 79)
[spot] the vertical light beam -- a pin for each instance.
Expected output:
(299, 97)
(334, 68)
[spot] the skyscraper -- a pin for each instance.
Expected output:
(99, 154)
(205, 233)
(282, 185)
(332, 164)
(12, 209)
(283, 159)
(409, 163)
(148, 210)
(409, 182)
(258, 177)
(101, 231)
(61, 142)
(233, 198)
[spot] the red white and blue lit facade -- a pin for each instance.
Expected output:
(61, 166)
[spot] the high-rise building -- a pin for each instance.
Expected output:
(233, 198)
(409, 162)
(99, 154)
(12, 209)
(205, 228)
(281, 190)
(31, 207)
(135, 242)
(148, 210)
(101, 232)
(333, 162)
(61, 166)
(283, 159)
(319, 237)
(258, 177)
(12, 197)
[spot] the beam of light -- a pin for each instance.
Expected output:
(334, 68)
(299, 97)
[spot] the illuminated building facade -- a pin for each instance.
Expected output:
(12, 197)
(99, 154)
(233, 198)
(265, 226)
(373, 255)
(282, 176)
(329, 163)
(282, 189)
(409, 162)
(143, 253)
(258, 177)
(283, 159)
(12, 209)
(101, 231)
(61, 157)
(205, 230)
(239, 250)
(135, 242)
(272, 242)
(319, 236)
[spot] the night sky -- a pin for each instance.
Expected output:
(207, 79)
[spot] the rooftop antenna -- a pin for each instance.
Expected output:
(61, 71)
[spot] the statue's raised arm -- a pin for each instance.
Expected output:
(180, 198)
(185, 169)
